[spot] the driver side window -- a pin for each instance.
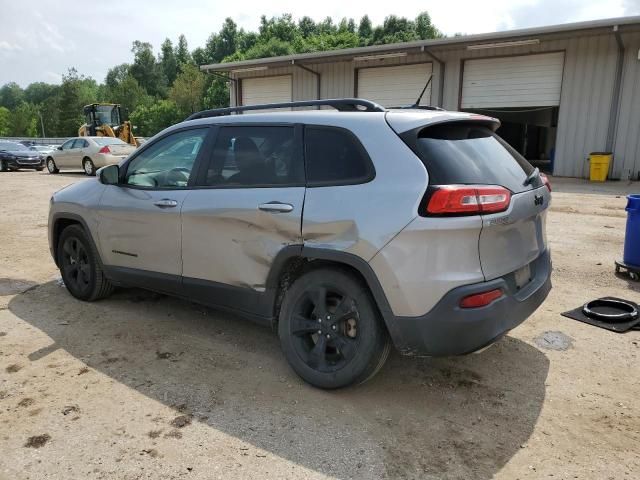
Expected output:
(67, 145)
(169, 162)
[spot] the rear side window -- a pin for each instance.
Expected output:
(467, 153)
(334, 156)
(255, 156)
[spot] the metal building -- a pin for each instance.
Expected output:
(561, 91)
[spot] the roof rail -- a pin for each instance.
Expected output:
(416, 107)
(340, 104)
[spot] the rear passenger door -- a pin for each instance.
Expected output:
(247, 207)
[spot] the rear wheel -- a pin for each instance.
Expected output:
(88, 167)
(51, 166)
(331, 331)
(80, 267)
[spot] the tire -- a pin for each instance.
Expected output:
(4, 166)
(88, 167)
(330, 329)
(39, 169)
(51, 166)
(80, 266)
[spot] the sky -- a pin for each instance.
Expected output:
(41, 39)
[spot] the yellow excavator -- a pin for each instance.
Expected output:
(104, 120)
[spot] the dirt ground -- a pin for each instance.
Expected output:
(146, 386)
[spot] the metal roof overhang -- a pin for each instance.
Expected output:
(420, 45)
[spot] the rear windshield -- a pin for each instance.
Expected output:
(108, 141)
(465, 153)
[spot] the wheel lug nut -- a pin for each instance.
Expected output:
(319, 332)
(333, 327)
(328, 336)
(319, 320)
(328, 317)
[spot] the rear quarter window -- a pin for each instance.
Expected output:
(334, 156)
(467, 153)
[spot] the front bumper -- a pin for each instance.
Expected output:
(450, 330)
(25, 163)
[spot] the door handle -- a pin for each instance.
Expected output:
(166, 203)
(276, 207)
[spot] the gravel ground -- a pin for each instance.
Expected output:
(146, 386)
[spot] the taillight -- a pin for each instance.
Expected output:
(545, 181)
(481, 299)
(468, 200)
(104, 149)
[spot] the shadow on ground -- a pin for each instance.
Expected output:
(461, 417)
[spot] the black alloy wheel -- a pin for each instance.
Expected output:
(331, 331)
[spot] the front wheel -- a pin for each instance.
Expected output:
(80, 267)
(4, 166)
(89, 167)
(51, 166)
(330, 329)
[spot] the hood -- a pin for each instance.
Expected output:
(21, 153)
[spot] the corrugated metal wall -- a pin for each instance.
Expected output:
(627, 141)
(585, 101)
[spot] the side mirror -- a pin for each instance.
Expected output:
(109, 175)
(59, 148)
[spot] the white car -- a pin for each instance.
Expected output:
(88, 154)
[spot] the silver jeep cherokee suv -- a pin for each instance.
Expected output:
(345, 230)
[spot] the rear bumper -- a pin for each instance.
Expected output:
(450, 330)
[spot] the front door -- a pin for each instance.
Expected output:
(247, 208)
(139, 219)
(62, 156)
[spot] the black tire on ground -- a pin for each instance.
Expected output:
(88, 167)
(4, 167)
(80, 266)
(330, 330)
(51, 166)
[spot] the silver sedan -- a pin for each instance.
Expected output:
(88, 154)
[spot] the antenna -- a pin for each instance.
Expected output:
(417, 104)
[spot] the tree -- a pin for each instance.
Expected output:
(199, 56)
(187, 90)
(38, 92)
(145, 69)
(365, 30)
(5, 125)
(306, 26)
(182, 53)
(11, 95)
(154, 118)
(168, 61)
(128, 93)
(75, 92)
(424, 28)
(216, 93)
(117, 74)
(24, 121)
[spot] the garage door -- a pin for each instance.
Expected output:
(256, 91)
(522, 81)
(395, 86)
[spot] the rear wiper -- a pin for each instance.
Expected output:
(532, 176)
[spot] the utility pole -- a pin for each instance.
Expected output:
(41, 123)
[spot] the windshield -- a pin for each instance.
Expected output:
(12, 147)
(107, 114)
(108, 141)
